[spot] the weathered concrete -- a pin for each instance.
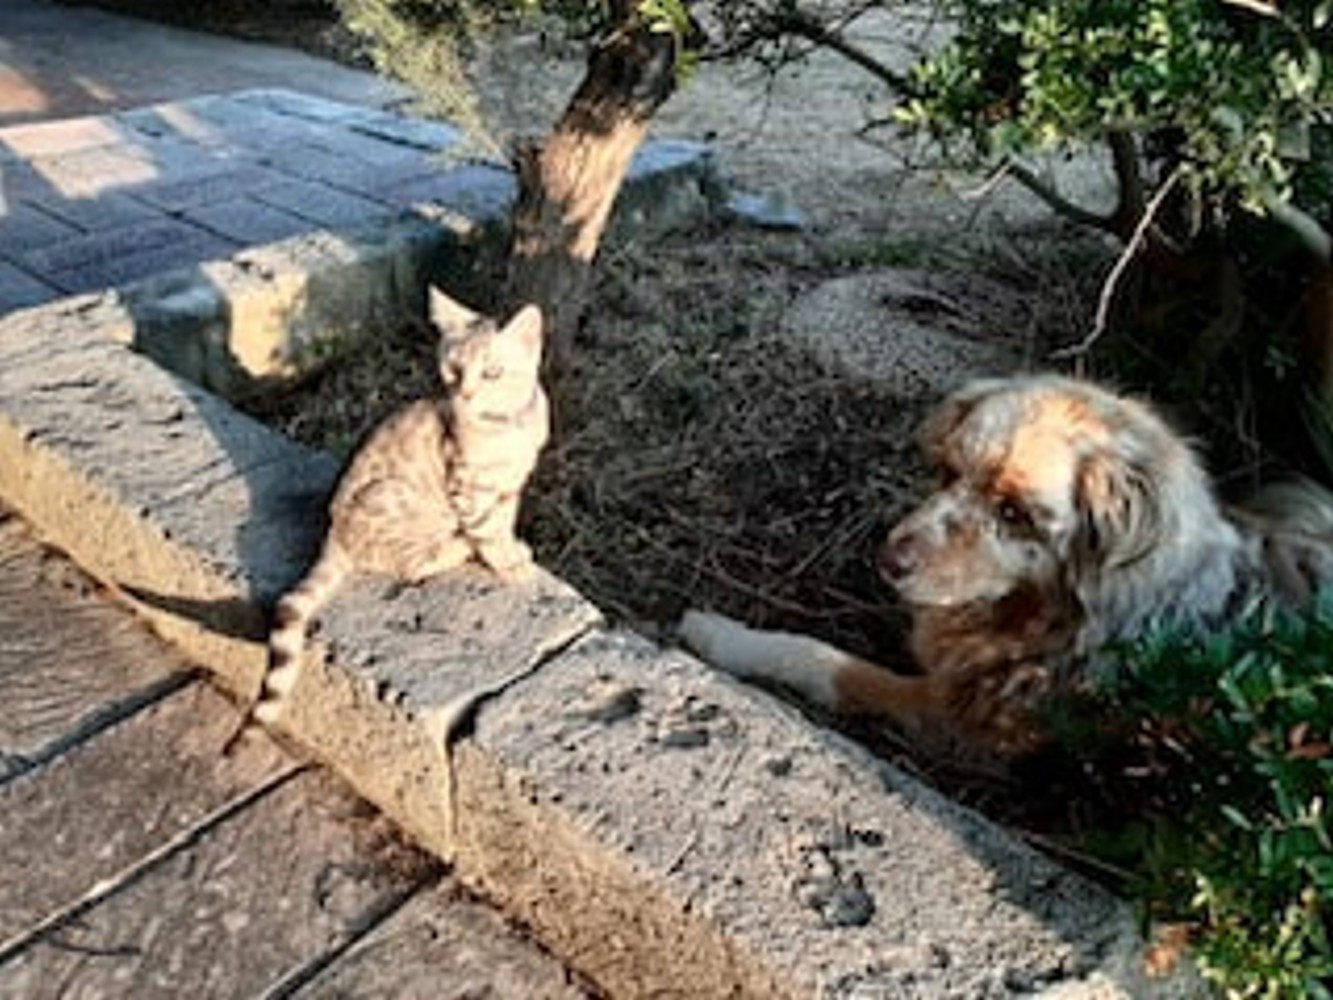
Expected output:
(663, 829)
(69, 663)
(631, 796)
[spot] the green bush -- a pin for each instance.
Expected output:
(1229, 91)
(1235, 734)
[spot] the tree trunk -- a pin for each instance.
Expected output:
(569, 181)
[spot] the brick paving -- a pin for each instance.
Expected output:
(98, 201)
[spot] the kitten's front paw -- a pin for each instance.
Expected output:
(511, 562)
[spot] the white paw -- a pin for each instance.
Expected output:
(706, 634)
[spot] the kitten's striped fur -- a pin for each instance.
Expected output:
(436, 484)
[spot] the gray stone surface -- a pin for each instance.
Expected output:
(913, 331)
(92, 813)
(254, 902)
(69, 663)
(443, 946)
(777, 858)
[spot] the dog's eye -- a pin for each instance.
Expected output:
(1012, 513)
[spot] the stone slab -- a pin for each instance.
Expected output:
(81, 819)
(70, 663)
(19, 289)
(247, 222)
(625, 801)
(443, 946)
(112, 245)
(258, 901)
(24, 228)
(322, 205)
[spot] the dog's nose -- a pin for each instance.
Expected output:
(895, 559)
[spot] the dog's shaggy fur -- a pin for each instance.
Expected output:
(1068, 518)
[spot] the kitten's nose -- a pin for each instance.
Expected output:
(896, 558)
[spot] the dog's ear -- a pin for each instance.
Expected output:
(1120, 510)
(938, 428)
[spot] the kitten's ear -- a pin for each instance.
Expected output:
(526, 324)
(449, 316)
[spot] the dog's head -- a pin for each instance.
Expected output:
(1044, 480)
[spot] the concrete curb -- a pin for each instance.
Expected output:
(661, 828)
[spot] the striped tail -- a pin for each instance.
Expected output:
(291, 621)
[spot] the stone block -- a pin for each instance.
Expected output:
(136, 472)
(221, 184)
(294, 104)
(628, 803)
(23, 228)
(108, 211)
(110, 248)
(69, 135)
(321, 204)
(91, 173)
(481, 192)
(247, 222)
(313, 162)
(427, 135)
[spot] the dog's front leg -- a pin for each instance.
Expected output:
(817, 671)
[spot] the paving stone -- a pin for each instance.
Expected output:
(222, 184)
(55, 138)
(322, 204)
(482, 192)
(69, 660)
(418, 132)
(195, 247)
(316, 163)
(247, 222)
(90, 173)
(302, 105)
(108, 211)
(91, 813)
(261, 898)
(109, 246)
(19, 289)
(23, 227)
(442, 946)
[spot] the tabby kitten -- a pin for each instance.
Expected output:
(436, 484)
